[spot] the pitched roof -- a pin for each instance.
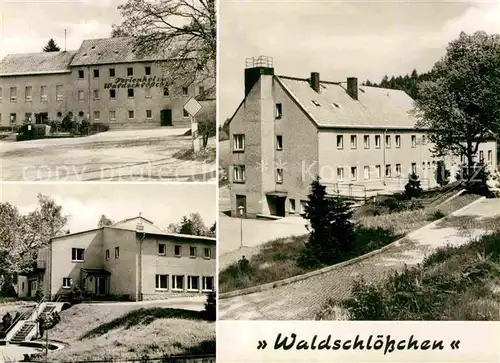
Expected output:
(109, 50)
(333, 107)
(36, 63)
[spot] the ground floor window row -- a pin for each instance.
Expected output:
(97, 115)
(184, 283)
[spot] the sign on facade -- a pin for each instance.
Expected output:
(142, 82)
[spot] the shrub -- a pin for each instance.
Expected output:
(8, 288)
(413, 188)
(436, 215)
(442, 174)
(75, 296)
(210, 306)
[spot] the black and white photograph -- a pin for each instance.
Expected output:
(359, 144)
(108, 90)
(99, 272)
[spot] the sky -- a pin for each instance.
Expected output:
(338, 39)
(86, 202)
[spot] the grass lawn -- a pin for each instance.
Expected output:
(207, 154)
(98, 332)
(453, 283)
(276, 260)
(11, 307)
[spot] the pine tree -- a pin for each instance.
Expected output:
(413, 188)
(51, 46)
(210, 306)
(330, 225)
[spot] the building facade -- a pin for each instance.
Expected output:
(359, 140)
(132, 258)
(103, 81)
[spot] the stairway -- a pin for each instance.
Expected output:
(47, 309)
(21, 334)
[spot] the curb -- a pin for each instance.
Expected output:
(272, 285)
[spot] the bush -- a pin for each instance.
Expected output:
(436, 215)
(442, 174)
(210, 307)
(8, 288)
(75, 296)
(478, 175)
(413, 188)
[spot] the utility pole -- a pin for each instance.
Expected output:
(64, 39)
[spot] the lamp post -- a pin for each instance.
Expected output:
(240, 211)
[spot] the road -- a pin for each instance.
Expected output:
(301, 300)
(133, 155)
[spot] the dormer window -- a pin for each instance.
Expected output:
(336, 105)
(316, 103)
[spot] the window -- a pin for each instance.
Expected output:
(161, 282)
(13, 94)
(81, 74)
(147, 71)
(481, 156)
(207, 283)
(490, 156)
(149, 114)
(279, 110)
(340, 174)
(238, 142)
(77, 254)
(193, 283)
(377, 171)
(279, 175)
(239, 173)
(112, 115)
(0, 94)
(354, 172)
(177, 250)
(97, 115)
(112, 94)
(81, 96)
(366, 141)
(377, 141)
(27, 94)
(413, 141)
(398, 141)
(340, 142)
(292, 205)
(130, 72)
(201, 90)
(398, 170)
(354, 142)
(131, 114)
(424, 139)
(13, 118)
(192, 251)
(147, 92)
(207, 252)
(177, 282)
(27, 116)
(59, 93)
(162, 249)
(414, 168)
(366, 172)
(96, 73)
(184, 91)
(165, 91)
(96, 94)
(107, 255)
(130, 93)
(388, 141)
(66, 283)
(279, 142)
(303, 204)
(316, 103)
(111, 73)
(185, 113)
(388, 170)
(117, 252)
(43, 94)
(80, 113)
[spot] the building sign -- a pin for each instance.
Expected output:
(142, 82)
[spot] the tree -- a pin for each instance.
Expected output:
(330, 225)
(51, 46)
(117, 32)
(207, 124)
(460, 107)
(22, 235)
(213, 230)
(183, 31)
(104, 221)
(192, 225)
(442, 174)
(210, 306)
(413, 188)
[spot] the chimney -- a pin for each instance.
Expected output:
(254, 68)
(139, 227)
(314, 81)
(352, 87)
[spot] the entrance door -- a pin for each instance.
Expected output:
(32, 288)
(41, 117)
(241, 201)
(166, 117)
(280, 206)
(100, 285)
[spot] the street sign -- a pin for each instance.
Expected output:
(192, 107)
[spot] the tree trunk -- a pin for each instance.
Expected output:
(470, 163)
(205, 140)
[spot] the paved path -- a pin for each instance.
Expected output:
(302, 300)
(134, 155)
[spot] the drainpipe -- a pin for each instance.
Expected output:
(50, 270)
(383, 155)
(89, 101)
(140, 266)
